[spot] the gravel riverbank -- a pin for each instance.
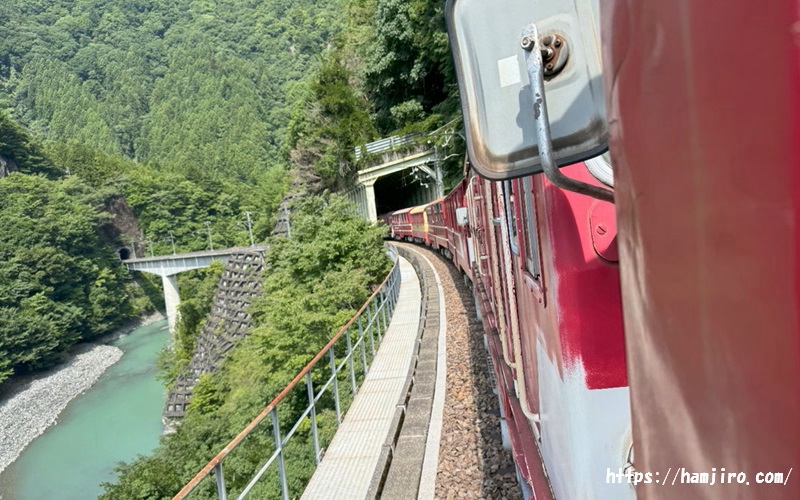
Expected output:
(31, 404)
(27, 414)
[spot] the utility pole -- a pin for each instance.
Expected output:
(172, 240)
(210, 241)
(250, 229)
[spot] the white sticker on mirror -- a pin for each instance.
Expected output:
(509, 71)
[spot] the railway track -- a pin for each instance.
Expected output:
(472, 460)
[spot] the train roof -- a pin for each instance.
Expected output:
(418, 210)
(403, 211)
(434, 202)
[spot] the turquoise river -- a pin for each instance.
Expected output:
(116, 420)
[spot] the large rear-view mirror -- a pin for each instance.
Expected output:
(499, 103)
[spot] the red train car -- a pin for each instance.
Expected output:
(458, 246)
(551, 301)
(437, 228)
(709, 339)
(419, 225)
(708, 211)
(401, 224)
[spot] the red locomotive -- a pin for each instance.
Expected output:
(700, 286)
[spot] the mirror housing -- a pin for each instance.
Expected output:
(496, 97)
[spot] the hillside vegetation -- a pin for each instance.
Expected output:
(190, 113)
(59, 279)
(314, 283)
(388, 71)
(176, 110)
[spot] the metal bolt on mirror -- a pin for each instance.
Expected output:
(533, 54)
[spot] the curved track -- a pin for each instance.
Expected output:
(472, 460)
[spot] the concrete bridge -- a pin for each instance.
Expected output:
(169, 266)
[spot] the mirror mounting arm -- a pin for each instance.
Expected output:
(533, 53)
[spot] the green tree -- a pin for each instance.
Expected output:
(327, 126)
(408, 69)
(18, 152)
(313, 283)
(60, 282)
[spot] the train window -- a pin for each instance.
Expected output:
(511, 217)
(529, 227)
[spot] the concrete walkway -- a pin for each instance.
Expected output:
(350, 461)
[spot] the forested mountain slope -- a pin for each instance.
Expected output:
(60, 281)
(193, 112)
(388, 71)
(186, 84)
(183, 105)
(177, 110)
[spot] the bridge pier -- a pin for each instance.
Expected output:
(169, 266)
(172, 299)
(372, 209)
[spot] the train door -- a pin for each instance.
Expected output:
(530, 298)
(499, 242)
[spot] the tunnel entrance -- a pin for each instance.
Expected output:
(124, 253)
(402, 190)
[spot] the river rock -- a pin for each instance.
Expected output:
(28, 413)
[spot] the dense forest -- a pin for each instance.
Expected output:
(182, 116)
(175, 113)
(315, 283)
(60, 281)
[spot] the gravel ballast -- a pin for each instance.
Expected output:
(27, 413)
(472, 460)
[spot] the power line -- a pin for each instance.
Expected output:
(210, 241)
(250, 229)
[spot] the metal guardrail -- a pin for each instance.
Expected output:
(370, 324)
(394, 142)
(384, 145)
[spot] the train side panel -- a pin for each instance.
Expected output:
(708, 201)
(418, 224)
(401, 225)
(544, 268)
(437, 228)
(459, 238)
(571, 371)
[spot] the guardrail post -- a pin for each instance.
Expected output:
(387, 299)
(390, 294)
(276, 435)
(395, 289)
(384, 311)
(363, 347)
(222, 493)
(381, 323)
(372, 318)
(350, 359)
(371, 340)
(381, 304)
(313, 405)
(335, 375)
(376, 319)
